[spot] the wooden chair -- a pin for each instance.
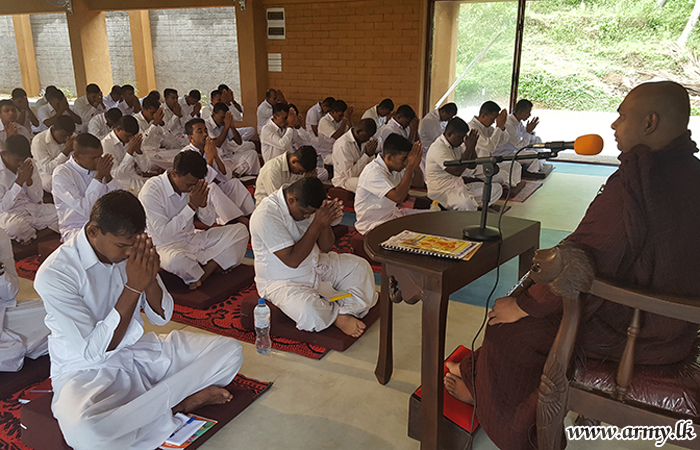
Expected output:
(620, 394)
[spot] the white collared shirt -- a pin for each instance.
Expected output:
(212, 172)
(124, 169)
(349, 158)
(98, 127)
(431, 127)
(275, 141)
(110, 102)
(390, 128)
(169, 220)
(273, 175)
(313, 116)
(373, 114)
(86, 111)
(264, 114)
(372, 206)
(21, 129)
(126, 109)
(327, 126)
(237, 115)
(518, 137)
(80, 294)
(152, 133)
(489, 138)
(173, 123)
(15, 198)
(215, 130)
(46, 112)
(437, 178)
(75, 190)
(9, 281)
(47, 154)
(187, 110)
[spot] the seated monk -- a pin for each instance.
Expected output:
(626, 234)
(116, 387)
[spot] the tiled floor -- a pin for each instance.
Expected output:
(336, 403)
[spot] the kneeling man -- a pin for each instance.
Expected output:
(114, 385)
(292, 238)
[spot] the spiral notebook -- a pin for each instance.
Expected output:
(427, 244)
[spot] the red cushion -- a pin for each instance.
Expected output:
(216, 289)
(31, 249)
(33, 370)
(358, 247)
(284, 327)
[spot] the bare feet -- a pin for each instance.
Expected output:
(209, 268)
(453, 367)
(195, 285)
(350, 325)
(455, 387)
(210, 395)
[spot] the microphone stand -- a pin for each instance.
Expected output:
(490, 168)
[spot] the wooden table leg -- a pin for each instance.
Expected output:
(432, 364)
(385, 361)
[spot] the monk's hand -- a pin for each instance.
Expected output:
(371, 147)
(532, 124)
(505, 310)
(138, 272)
(198, 195)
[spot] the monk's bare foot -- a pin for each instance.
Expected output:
(195, 285)
(455, 387)
(453, 367)
(350, 325)
(208, 268)
(245, 221)
(210, 395)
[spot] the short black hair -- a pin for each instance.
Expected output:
(190, 163)
(406, 111)
(309, 191)
(7, 102)
(116, 90)
(18, 93)
(222, 87)
(214, 93)
(219, 107)
(113, 114)
(395, 144)
(387, 103)
(127, 87)
(292, 106)
(457, 125)
(489, 108)
(92, 88)
(339, 105)
(369, 126)
(280, 107)
(522, 105)
(169, 91)
(328, 102)
(189, 126)
(64, 123)
(129, 124)
(154, 93)
(18, 145)
(119, 213)
(195, 94)
(449, 108)
(85, 141)
(269, 92)
(54, 93)
(307, 157)
(150, 102)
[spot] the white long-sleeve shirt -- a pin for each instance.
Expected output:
(169, 219)
(47, 154)
(86, 111)
(273, 175)
(110, 102)
(327, 126)
(264, 114)
(313, 116)
(430, 129)
(349, 159)
(9, 281)
(124, 169)
(390, 128)
(372, 113)
(372, 206)
(437, 179)
(275, 141)
(489, 138)
(15, 198)
(187, 110)
(20, 130)
(518, 137)
(80, 294)
(46, 112)
(152, 134)
(98, 127)
(75, 191)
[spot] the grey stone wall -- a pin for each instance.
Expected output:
(195, 49)
(10, 76)
(52, 47)
(121, 55)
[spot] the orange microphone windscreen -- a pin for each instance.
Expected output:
(588, 144)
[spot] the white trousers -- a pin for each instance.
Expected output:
(131, 408)
(463, 196)
(22, 225)
(230, 200)
(303, 303)
(226, 245)
(22, 333)
(503, 174)
(241, 159)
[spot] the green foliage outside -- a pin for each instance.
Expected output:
(577, 55)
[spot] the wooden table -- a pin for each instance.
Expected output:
(432, 280)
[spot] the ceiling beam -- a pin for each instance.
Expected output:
(121, 5)
(11, 7)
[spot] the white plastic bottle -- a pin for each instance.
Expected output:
(262, 327)
(435, 206)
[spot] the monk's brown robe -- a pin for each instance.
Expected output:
(643, 229)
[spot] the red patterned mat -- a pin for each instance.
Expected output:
(225, 319)
(11, 429)
(26, 268)
(344, 245)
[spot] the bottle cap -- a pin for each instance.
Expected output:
(261, 301)
(435, 202)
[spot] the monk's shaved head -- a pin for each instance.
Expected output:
(652, 114)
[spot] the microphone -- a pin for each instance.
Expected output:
(588, 144)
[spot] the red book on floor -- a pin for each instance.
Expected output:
(458, 412)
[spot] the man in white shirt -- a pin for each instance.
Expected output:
(491, 137)
(239, 156)
(124, 144)
(214, 98)
(285, 169)
(404, 123)
(171, 201)
(26, 116)
(175, 119)
(292, 238)
(433, 124)
(114, 97)
(380, 113)
(331, 127)
(102, 124)
(56, 106)
(190, 104)
(114, 386)
(79, 182)
(352, 152)
(279, 133)
(52, 147)
(22, 329)
(129, 103)
(88, 106)
(445, 184)
(385, 183)
(230, 199)
(521, 135)
(227, 97)
(9, 124)
(265, 108)
(22, 211)
(314, 114)
(151, 120)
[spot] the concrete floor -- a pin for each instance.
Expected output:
(336, 403)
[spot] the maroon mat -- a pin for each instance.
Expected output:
(225, 319)
(344, 245)
(32, 371)
(216, 289)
